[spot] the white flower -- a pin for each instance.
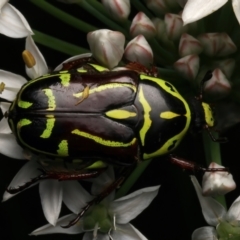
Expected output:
(224, 225)
(12, 22)
(107, 219)
(51, 190)
(11, 85)
(197, 9)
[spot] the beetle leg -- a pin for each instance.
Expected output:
(60, 176)
(77, 63)
(102, 195)
(192, 166)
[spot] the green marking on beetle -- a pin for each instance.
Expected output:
(63, 148)
(97, 164)
(65, 79)
(23, 122)
(208, 114)
(104, 87)
(24, 104)
(103, 141)
(51, 99)
(168, 115)
(49, 127)
(99, 68)
(120, 114)
(64, 71)
(147, 121)
(81, 70)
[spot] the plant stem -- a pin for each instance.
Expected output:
(57, 44)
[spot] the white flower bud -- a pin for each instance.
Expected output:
(217, 183)
(138, 50)
(106, 46)
(141, 24)
(119, 9)
(188, 66)
(189, 45)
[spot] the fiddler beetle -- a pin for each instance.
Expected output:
(90, 117)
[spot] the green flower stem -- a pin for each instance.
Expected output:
(70, 20)
(57, 44)
(213, 154)
(161, 53)
(141, 8)
(87, 6)
(124, 189)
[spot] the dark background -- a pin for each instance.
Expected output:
(174, 213)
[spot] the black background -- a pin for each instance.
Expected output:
(174, 213)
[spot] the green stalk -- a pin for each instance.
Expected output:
(57, 44)
(141, 8)
(64, 17)
(87, 6)
(137, 172)
(213, 154)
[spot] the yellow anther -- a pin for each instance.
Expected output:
(28, 58)
(2, 86)
(84, 95)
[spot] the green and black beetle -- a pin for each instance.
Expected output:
(90, 117)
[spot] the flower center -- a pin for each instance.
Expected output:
(99, 216)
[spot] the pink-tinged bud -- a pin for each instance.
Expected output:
(217, 44)
(189, 45)
(218, 86)
(119, 9)
(174, 26)
(217, 183)
(227, 66)
(188, 66)
(142, 25)
(138, 50)
(106, 46)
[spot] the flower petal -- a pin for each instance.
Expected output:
(9, 146)
(40, 67)
(13, 83)
(127, 208)
(60, 66)
(236, 9)
(49, 229)
(5, 106)
(75, 196)
(233, 215)
(126, 232)
(195, 9)
(100, 236)
(51, 199)
(12, 23)
(28, 171)
(212, 210)
(2, 3)
(205, 233)
(4, 127)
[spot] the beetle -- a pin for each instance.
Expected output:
(90, 117)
